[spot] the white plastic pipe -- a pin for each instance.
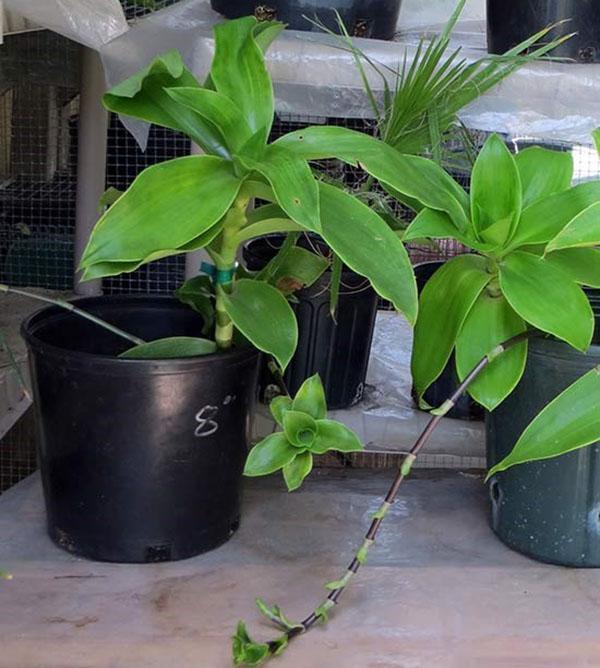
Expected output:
(91, 159)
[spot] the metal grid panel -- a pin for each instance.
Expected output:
(124, 162)
(136, 8)
(18, 452)
(38, 108)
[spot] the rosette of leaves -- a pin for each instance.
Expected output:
(305, 432)
(527, 267)
(203, 201)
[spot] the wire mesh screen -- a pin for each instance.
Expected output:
(137, 8)
(124, 162)
(17, 452)
(38, 112)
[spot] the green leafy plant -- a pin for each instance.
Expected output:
(306, 431)
(423, 95)
(203, 201)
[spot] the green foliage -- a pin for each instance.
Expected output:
(310, 398)
(250, 304)
(276, 616)
(246, 652)
(522, 213)
(535, 242)
(202, 201)
(444, 306)
(306, 432)
(424, 93)
(197, 292)
(169, 348)
(568, 423)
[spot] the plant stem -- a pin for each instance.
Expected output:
(235, 220)
(77, 311)
(337, 588)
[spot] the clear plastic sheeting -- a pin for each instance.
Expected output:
(387, 419)
(90, 22)
(314, 77)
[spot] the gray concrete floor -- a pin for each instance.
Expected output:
(439, 590)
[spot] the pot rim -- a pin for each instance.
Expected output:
(42, 316)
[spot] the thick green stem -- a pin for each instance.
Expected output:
(73, 309)
(225, 256)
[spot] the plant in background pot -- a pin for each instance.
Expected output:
(365, 18)
(143, 446)
(418, 115)
(509, 21)
(534, 240)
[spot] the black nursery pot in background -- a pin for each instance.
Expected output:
(550, 509)
(362, 18)
(141, 460)
(465, 408)
(509, 22)
(338, 350)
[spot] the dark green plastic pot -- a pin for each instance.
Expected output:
(548, 510)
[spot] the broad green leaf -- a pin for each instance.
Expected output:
(310, 398)
(495, 192)
(543, 172)
(195, 191)
(264, 212)
(114, 268)
(143, 96)
(543, 220)
(432, 224)
(171, 348)
(267, 226)
(108, 198)
(298, 269)
(547, 298)
(596, 138)
(413, 177)
(367, 245)
(582, 264)
(269, 455)
(295, 472)
(219, 110)
(267, 31)
(293, 183)
(443, 308)
(197, 292)
(300, 428)
(490, 322)
(332, 435)
(264, 317)
(245, 651)
(582, 232)
(279, 406)
(569, 422)
(238, 71)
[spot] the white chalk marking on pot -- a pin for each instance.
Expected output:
(206, 425)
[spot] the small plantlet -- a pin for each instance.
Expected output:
(305, 432)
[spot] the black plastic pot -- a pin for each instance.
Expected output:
(549, 510)
(447, 382)
(509, 22)
(338, 350)
(362, 18)
(141, 460)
